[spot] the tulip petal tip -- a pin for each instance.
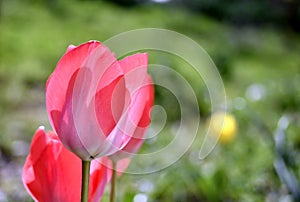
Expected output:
(93, 41)
(70, 47)
(41, 127)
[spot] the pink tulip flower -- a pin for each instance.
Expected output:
(97, 104)
(53, 173)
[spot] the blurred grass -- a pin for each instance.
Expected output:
(33, 36)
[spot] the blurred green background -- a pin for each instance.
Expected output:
(254, 44)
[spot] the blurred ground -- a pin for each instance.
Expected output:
(259, 64)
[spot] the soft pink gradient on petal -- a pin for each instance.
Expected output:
(58, 82)
(145, 95)
(96, 103)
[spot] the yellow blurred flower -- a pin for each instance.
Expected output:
(223, 127)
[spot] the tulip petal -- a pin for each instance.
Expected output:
(132, 62)
(58, 82)
(98, 180)
(136, 79)
(109, 105)
(149, 94)
(135, 142)
(52, 173)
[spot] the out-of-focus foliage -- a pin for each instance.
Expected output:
(280, 13)
(260, 67)
(277, 13)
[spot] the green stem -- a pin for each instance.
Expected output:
(113, 183)
(85, 180)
